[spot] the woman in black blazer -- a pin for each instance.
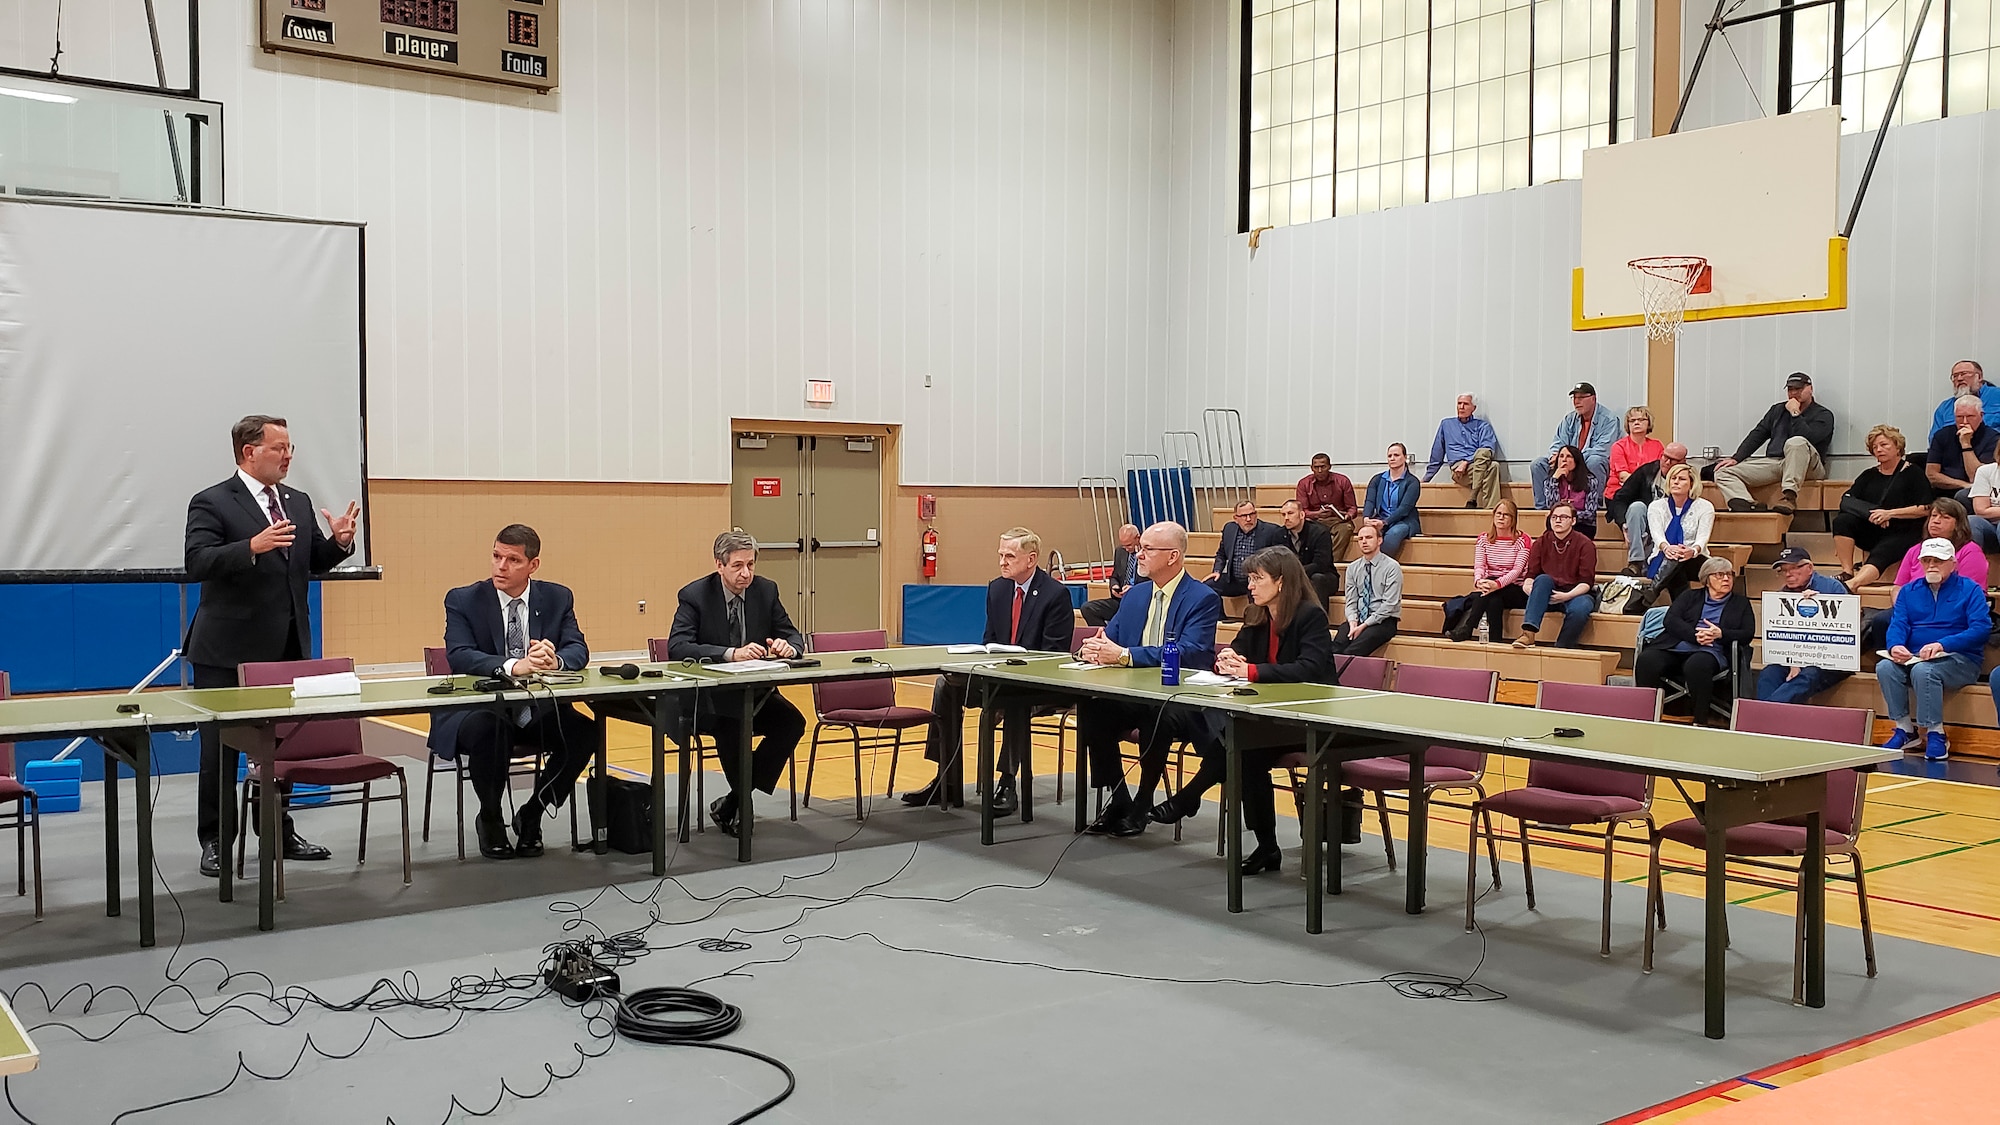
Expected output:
(1702, 626)
(1285, 639)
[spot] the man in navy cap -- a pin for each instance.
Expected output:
(1784, 683)
(1795, 435)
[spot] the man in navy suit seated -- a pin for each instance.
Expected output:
(1167, 604)
(1025, 606)
(511, 625)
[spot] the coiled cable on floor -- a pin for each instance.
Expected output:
(688, 1017)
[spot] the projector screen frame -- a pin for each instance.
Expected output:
(367, 570)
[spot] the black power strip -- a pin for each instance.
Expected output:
(578, 976)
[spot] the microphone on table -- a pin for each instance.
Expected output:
(625, 671)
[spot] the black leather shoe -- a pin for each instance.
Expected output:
(1005, 801)
(722, 810)
(297, 847)
(1114, 812)
(1133, 823)
(528, 831)
(928, 795)
(1742, 506)
(211, 863)
(1170, 811)
(492, 837)
(1262, 860)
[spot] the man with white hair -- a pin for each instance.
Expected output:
(1937, 641)
(1968, 379)
(1959, 449)
(1468, 444)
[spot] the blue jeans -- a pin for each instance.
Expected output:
(1773, 687)
(1984, 533)
(1576, 611)
(1394, 535)
(1928, 681)
(1638, 534)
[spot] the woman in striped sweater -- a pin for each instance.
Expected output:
(1499, 573)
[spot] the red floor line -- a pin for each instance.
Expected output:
(1932, 906)
(1756, 1076)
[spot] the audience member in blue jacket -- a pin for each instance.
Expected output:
(1391, 503)
(1937, 642)
(1780, 683)
(1167, 604)
(1468, 444)
(1590, 428)
(1968, 378)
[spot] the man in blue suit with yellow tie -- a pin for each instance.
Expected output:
(1167, 604)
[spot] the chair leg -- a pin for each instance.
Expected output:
(1180, 781)
(895, 756)
(1382, 816)
(792, 780)
(403, 796)
(242, 829)
(458, 789)
(860, 797)
(1799, 939)
(1527, 864)
(1473, 822)
(812, 760)
(1492, 846)
(701, 792)
(574, 837)
(1653, 896)
(361, 849)
(1062, 749)
(35, 811)
(430, 780)
(1604, 926)
(1860, 893)
(21, 847)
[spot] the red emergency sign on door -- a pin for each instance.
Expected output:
(764, 486)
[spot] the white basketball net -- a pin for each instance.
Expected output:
(1664, 284)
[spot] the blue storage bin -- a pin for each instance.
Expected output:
(58, 786)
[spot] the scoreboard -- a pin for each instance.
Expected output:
(507, 41)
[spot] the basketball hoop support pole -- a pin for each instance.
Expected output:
(1882, 131)
(1717, 23)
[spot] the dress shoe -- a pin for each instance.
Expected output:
(528, 831)
(1265, 858)
(1114, 812)
(1634, 570)
(722, 810)
(1463, 631)
(492, 835)
(1787, 504)
(211, 863)
(1742, 506)
(297, 847)
(1005, 801)
(1171, 811)
(1133, 823)
(929, 795)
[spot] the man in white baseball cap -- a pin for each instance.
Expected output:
(1937, 641)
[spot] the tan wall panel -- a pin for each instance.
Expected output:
(617, 543)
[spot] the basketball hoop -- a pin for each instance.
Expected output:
(1664, 285)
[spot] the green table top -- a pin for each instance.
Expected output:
(1144, 684)
(17, 1052)
(921, 660)
(403, 695)
(1666, 749)
(80, 714)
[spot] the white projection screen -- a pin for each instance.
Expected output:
(131, 339)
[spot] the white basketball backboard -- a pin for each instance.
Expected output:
(1759, 199)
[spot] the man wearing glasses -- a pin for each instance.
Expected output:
(1563, 567)
(1166, 605)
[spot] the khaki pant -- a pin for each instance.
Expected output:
(1800, 464)
(1485, 476)
(1342, 534)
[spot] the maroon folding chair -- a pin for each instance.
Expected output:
(866, 709)
(1759, 845)
(1446, 768)
(1567, 800)
(20, 810)
(320, 752)
(524, 761)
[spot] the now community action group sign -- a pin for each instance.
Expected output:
(1809, 630)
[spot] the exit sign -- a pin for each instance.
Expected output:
(819, 392)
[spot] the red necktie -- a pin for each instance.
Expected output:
(1017, 615)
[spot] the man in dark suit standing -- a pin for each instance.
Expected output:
(510, 625)
(1245, 536)
(1025, 606)
(1099, 611)
(1313, 544)
(253, 546)
(735, 615)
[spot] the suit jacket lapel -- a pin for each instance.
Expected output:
(251, 504)
(487, 617)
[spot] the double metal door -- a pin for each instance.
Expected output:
(814, 505)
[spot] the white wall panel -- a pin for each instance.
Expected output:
(1347, 334)
(721, 201)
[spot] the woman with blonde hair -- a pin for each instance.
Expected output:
(1883, 511)
(1680, 523)
(1499, 576)
(1638, 447)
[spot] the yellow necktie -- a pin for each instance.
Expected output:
(1156, 620)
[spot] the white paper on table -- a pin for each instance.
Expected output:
(1200, 678)
(332, 684)
(995, 647)
(1083, 666)
(750, 666)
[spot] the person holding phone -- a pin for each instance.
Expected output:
(1702, 626)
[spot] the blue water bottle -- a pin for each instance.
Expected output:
(1170, 663)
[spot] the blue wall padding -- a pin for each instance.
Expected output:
(943, 615)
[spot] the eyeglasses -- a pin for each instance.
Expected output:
(1561, 516)
(1145, 550)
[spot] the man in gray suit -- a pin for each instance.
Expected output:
(1098, 611)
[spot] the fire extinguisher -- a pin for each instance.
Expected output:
(930, 552)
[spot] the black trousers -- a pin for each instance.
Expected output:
(1260, 808)
(1230, 586)
(1100, 611)
(1101, 727)
(777, 723)
(1349, 643)
(209, 812)
(945, 741)
(1327, 585)
(565, 739)
(1886, 546)
(1695, 669)
(1493, 607)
